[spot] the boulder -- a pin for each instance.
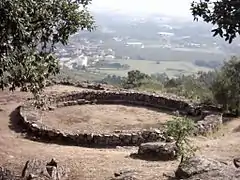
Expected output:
(40, 170)
(158, 151)
(200, 168)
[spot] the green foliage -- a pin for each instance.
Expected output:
(181, 128)
(29, 31)
(195, 87)
(113, 80)
(221, 86)
(150, 85)
(75, 76)
(135, 79)
(226, 87)
(224, 14)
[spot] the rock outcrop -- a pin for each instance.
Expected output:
(41, 170)
(37, 170)
(200, 168)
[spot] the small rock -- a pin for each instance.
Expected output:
(170, 139)
(125, 175)
(117, 131)
(51, 108)
(157, 131)
(236, 162)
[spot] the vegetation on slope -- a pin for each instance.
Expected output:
(29, 31)
(214, 87)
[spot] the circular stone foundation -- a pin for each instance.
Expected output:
(104, 118)
(101, 118)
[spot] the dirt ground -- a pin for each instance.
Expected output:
(104, 118)
(99, 164)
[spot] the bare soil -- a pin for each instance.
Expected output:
(98, 164)
(104, 118)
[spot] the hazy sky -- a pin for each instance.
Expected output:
(168, 7)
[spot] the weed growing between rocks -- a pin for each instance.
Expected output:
(181, 128)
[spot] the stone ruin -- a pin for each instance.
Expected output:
(130, 98)
(86, 85)
(38, 130)
(151, 142)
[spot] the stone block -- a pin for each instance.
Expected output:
(158, 151)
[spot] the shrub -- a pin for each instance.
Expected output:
(181, 128)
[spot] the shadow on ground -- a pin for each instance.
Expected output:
(15, 121)
(236, 130)
(147, 157)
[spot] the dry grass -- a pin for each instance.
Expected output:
(98, 164)
(104, 118)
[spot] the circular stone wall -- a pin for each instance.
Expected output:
(35, 124)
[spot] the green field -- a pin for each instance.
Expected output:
(172, 68)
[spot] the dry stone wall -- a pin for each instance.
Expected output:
(36, 128)
(95, 86)
(209, 124)
(99, 86)
(126, 97)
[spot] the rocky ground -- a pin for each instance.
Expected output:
(99, 164)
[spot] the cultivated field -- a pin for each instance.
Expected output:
(171, 68)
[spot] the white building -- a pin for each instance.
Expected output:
(109, 57)
(82, 60)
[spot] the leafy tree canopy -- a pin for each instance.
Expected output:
(226, 87)
(223, 14)
(135, 79)
(29, 31)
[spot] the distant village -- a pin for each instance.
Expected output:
(83, 54)
(91, 55)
